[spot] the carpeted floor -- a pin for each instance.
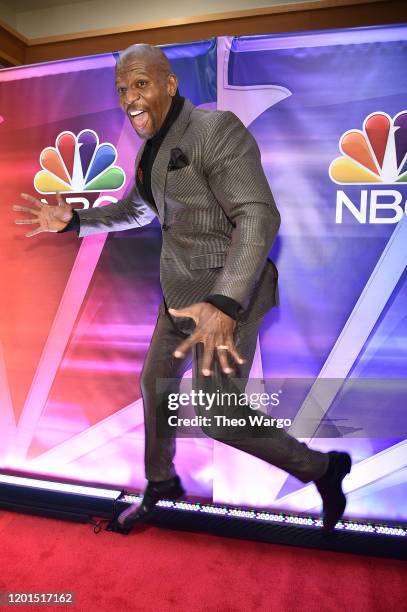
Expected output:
(159, 570)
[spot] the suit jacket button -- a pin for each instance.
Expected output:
(164, 227)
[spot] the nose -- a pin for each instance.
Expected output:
(130, 96)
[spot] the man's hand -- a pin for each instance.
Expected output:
(49, 218)
(214, 329)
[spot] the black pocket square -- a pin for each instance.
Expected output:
(178, 160)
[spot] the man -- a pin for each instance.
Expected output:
(200, 172)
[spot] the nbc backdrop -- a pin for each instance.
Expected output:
(328, 110)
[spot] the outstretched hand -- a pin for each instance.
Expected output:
(214, 329)
(48, 218)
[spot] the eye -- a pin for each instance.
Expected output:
(141, 83)
(121, 90)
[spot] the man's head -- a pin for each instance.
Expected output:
(145, 83)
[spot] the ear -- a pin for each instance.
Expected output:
(172, 84)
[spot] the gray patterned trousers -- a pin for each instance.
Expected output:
(278, 448)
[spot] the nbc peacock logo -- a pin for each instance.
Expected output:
(375, 154)
(79, 163)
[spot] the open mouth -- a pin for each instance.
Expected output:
(138, 118)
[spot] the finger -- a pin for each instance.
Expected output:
(235, 353)
(30, 198)
(185, 346)
(34, 232)
(182, 312)
(59, 199)
(26, 221)
(24, 209)
(207, 360)
(223, 360)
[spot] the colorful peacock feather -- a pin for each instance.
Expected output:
(375, 154)
(77, 164)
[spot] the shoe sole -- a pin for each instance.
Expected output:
(129, 522)
(347, 466)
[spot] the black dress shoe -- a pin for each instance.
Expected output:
(168, 489)
(330, 488)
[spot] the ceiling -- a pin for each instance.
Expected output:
(18, 6)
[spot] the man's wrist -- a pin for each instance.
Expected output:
(225, 304)
(74, 223)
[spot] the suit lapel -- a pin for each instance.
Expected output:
(160, 166)
(139, 154)
(136, 165)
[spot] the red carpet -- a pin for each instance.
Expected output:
(159, 570)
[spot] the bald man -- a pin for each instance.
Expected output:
(200, 172)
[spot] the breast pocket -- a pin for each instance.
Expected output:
(178, 175)
(207, 260)
(184, 185)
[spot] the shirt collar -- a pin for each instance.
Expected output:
(177, 103)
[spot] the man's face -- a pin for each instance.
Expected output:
(145, 94)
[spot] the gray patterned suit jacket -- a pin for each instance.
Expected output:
(217, 213)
